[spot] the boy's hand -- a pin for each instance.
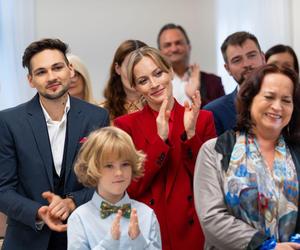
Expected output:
(115, 227)
(133, 229)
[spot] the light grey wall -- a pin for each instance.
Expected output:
(296, 26)
(95, 28)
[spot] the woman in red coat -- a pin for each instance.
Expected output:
(171, 136)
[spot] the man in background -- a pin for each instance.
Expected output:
(242, 54)
(174, 43)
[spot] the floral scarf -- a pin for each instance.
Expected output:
(265, 199)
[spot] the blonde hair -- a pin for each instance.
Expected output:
(102, 145)
(83, 71)
(136, 56)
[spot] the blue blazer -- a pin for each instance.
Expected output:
(224, 112)
(26, 166)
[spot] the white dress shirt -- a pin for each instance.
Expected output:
(57, 136)
(87, 230)
(179, 85)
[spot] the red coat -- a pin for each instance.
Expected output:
(167, 186)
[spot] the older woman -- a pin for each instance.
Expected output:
(247, 182)
(171, 136)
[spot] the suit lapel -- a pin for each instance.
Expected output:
(74, 125)
(38, 124)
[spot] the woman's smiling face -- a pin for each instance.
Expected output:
(152, 82)
(272, 107)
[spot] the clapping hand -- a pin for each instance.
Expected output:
(287, 246)
(194, 82)
(53, 223)
(115, 227)
(56, 212)
(133, 228)
(191, 112)
(58, 207)
(162, 120)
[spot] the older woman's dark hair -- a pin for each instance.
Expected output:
(251, 87)
(281, 48)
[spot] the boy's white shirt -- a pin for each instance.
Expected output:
(87, 230)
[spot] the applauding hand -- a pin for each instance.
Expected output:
(193, 83)
(287, 246)
(162, 120)
(133, 229)
(115, 227)
(191, 113)
(53, 223)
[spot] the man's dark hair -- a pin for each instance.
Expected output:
(281, 48)
(38, 46)
(251, 87)
(237, 38)
(171, 26)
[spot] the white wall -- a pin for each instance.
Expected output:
(95, 28)
(296, 27)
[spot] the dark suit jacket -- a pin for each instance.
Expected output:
(211, 87)
(167, 184)
(26, 166)
(224, 112)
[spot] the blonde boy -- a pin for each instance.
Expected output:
(108, 161)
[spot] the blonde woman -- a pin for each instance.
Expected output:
(81, 86)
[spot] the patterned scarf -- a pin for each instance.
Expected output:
(265, 199)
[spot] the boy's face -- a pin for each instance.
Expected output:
(115, 178)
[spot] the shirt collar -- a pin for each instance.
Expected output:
(47, 116)
(185, 77)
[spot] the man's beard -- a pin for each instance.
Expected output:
(56, 95)
(245, 74)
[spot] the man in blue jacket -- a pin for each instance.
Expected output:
(242, 54)
(39, 141)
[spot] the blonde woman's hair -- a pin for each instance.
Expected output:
(103, 145)
(83, 71)
(136, 56)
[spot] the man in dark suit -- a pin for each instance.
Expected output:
(174, 43)
(242, 54)
(39, 141)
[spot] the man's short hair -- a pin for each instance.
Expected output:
(170, 26)
(238, 38)
(38, 46)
